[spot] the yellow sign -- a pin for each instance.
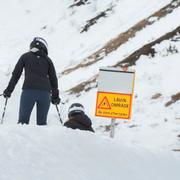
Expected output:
(114, 105)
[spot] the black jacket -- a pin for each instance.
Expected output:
(39, 72)
(79, 121)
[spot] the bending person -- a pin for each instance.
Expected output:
(78, 119)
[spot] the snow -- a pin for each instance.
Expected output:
(60, 153)
(142, 148)
(62, 26)
(145, 36)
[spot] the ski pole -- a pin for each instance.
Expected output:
(59, 114)
(2, 119)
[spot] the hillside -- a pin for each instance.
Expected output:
(84, 35)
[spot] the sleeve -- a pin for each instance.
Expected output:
(87, 120)
(69, 124)
(89, 123)
(91, 129)
(53, 79)
(16, 74)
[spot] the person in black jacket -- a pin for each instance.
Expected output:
(78, 119)
(40, 82)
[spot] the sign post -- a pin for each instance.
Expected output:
(114, 96)
(112, 132)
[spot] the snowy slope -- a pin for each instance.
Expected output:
(153, 124)
(53, 153)
(60, 25)
(142, 148)
(146, 35)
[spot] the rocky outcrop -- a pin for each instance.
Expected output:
(122, 38)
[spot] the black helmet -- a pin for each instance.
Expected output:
(75, 108)
(40, 44)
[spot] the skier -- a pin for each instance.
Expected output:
(40, 82)
(78, 119)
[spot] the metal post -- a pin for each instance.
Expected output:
(112, 132)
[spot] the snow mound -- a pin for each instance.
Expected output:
(55, 152)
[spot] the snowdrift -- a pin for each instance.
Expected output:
(58, 153)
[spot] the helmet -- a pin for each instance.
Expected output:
(40, 44)
(75, 108)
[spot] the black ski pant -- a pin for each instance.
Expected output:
(29, 98)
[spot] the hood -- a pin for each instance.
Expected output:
(38, 52)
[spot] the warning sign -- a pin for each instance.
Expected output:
(115, 91)
(113, 105)
(104, 104)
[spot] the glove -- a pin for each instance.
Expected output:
(55, 101)
(55, 97)
(6, 93)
